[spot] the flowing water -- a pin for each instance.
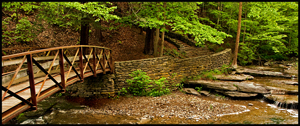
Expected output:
(260, 113)
(259, 110)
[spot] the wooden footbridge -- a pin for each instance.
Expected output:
(29, 77)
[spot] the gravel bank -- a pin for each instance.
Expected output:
(177, 105)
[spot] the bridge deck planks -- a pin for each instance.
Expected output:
(12, 101)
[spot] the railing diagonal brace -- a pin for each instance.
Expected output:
(42, 69)
(88, 63)
(73, 68)
(17, 96)
(100, 63)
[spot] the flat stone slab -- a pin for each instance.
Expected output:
(285, 82)
(281, 91)
(262, 73)
(206, 93)
(237, 94)
(245, 87)
(215, 85)
(234, 77)
(191, 91)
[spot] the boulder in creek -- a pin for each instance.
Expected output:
(261, 73)
(236, 93)
(191, 91)
(235, 77)
(245, 87)
(287, 99)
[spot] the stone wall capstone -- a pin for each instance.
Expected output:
(166, 66)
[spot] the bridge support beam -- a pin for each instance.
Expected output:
(81, 63)
(62, 70)
(94, 62)
(31, 81)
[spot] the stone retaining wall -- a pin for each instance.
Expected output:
(166, 66)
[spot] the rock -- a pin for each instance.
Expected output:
(40, 120)
(261, 73)
(281, 91)
(284, 82)
(143, 121)
(250, 104)
(233, 72)
(287, 99)
(191, 91)
(234, 77)
(237, 94)
(214, 85)
(206, 93)
(28, 121)
(249, 87)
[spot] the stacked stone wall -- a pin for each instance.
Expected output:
(166, 66)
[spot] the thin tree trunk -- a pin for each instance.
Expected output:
(156, 43)
(245, 24)
(229, 19)
(218, 14)
(148, 49)
(163, 35)
(234, 63)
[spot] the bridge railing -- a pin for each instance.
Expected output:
(62, 65)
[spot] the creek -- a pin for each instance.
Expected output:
(74, 110)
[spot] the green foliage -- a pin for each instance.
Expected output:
(277, 120)
(174, 53)
(71, 14)
(180, 16)
(25, 30)
(123, 91)
(62, 14)
(20, 116)
(270, 28)
(159, 88)
(198, 89)
(210, 74)
(141, 82)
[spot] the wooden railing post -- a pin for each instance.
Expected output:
(94, 62)
(103, 62)
(81, 63)
(111, 63)
(62, 70)
(31, 80)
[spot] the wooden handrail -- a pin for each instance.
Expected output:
(48, 49)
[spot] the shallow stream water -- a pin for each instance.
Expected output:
(259, 111)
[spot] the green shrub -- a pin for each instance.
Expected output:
(159, 88)
(141, 82)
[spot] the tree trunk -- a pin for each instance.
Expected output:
(234, 63)
(149, 41)
(218, 14)
(156, 42)
(162, 44)
(163, 35)
(229, 19)
(84, 34)
(245, 24)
